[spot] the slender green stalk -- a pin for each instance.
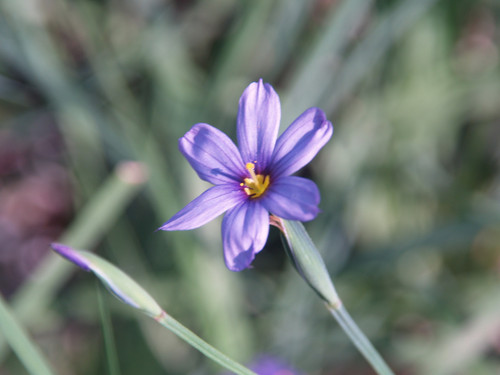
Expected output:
(191, 338)
(105, 207)
(18, 339)
(359, 339)
(94, 219)
(131, 293)
(309, 263)
(107, 329)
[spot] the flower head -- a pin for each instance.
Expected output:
(267, 365)
(253, 180)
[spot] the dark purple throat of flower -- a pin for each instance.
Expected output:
(255, 185)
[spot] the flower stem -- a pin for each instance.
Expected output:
(359, 339)
(191, 338)
(308, 262)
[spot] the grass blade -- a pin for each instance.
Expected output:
(19, 341)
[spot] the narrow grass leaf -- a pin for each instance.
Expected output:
(18, 339)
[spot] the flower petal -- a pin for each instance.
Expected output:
(258, 122)
(300, 142)
(292, 198)
(212, 154)
(244, 233)
(210, 204)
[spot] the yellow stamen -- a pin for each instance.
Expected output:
(257, 184)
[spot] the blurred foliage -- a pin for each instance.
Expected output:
(410, 222)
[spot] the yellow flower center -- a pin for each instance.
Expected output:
(256, 184)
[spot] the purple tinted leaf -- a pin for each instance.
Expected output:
(71, 255)
(116, 281)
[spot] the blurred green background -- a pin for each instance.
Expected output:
(410, 182)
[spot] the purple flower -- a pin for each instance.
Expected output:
(266, 365)
(253, 181)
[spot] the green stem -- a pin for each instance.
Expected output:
(35, 295)
(309, 263)
(191, 338)
(359, 339)
(108, 336)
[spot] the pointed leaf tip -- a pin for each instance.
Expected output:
(118, 282)
(72, 255)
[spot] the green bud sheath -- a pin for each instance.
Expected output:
(308, 261)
